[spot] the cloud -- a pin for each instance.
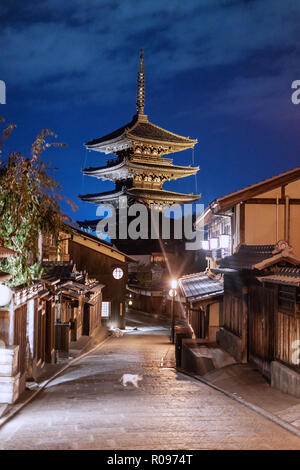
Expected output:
(88, 51)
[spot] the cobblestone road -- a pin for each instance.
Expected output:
(88, 408)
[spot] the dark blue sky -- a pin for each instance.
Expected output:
(216, 70)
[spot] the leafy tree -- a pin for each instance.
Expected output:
(29, 204)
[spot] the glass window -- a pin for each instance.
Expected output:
(105, 312)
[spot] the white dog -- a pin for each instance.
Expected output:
(131, 378)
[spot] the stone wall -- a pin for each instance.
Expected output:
(231, 343)
(285, 379)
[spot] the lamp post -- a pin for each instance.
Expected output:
(172, 294)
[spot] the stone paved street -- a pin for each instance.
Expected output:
(88, 408)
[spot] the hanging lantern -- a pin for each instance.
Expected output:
(172, 293)
(224, 241)
(5, 295)
(213, 243)
(205, 245)
(118, 273)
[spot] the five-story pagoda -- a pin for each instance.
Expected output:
(139, 169)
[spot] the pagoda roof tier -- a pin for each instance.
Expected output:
(127, 168)
(161, 196)
(106, 196)
(144, 195)
(140, 131)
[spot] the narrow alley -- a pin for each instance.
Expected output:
(88, 408)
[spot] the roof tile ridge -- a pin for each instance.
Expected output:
(167, 191)
(261, 182)
(172, 133)
(117, 165)
(135, 120)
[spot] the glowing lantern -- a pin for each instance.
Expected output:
(118, 273)
(205, 245)
(172, 293)
(224, 241)
(213, 243)
(5, 295)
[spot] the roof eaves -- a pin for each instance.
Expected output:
(255, 189)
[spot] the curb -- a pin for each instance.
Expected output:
(257, 409)
(44, 384)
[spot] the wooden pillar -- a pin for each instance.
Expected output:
(245, 325)
(49, 340)
(242, 223)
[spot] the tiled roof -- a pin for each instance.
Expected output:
(143, 129)
(158, 195)
(201, 285)
(229, 200)
(150, 131)
(60, 270)
(288, 276)
(7, 252)
(161, 194)
(159, 164)
(5, 276)
(247, 257)
(112, 135)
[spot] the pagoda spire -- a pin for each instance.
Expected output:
(140, 98)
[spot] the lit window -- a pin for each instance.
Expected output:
(213, 243)
(224, 241)
(205, 245)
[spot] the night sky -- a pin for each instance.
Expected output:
(216, 70)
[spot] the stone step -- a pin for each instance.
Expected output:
(9, 361)
(9, 389)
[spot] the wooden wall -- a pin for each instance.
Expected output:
(233, 313)
(4, 326)
(100, 267)
(287, 334)
(199, 321)
(20, 323)
(157, 305)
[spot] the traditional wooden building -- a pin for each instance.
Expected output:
(260, 214)
(155, 299)
(203, 294)
(25, 328)
(78, 302)
(102, 261)
(31, 324)
(277, 311)
(260, 289)
(242, 240)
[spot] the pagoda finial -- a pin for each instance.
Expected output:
(140, 99)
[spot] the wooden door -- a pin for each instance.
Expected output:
(261, 316)
(199, 320)
(41, 332)
(49, 340)
(20, 326)
(86, 320)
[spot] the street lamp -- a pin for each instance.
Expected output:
(172, 294)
